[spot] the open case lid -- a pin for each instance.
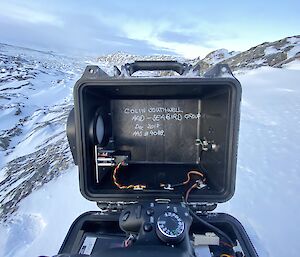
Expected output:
(128, 132)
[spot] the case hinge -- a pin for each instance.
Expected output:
(110, 207)
(118, 207)
(202, 207)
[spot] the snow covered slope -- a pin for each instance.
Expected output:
(266, 200)
(35, 99)
(38, 179)
(43, 218)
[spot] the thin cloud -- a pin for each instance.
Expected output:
(140, 27)
(26, 14)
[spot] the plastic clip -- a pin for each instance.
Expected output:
(167, 186)
(200, 184)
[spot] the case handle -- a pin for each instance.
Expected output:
(180, 68)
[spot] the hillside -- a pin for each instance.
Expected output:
(273, 54)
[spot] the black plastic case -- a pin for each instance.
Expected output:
(106, 225)
(165, 127)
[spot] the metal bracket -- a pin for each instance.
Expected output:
(94, 72)
(109, 159)
(207, 145)
(200, 184)
(219, 70)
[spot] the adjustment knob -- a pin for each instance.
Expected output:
(170, 228)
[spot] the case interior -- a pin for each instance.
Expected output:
(162, 124)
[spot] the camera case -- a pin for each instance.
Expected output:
(141, 141)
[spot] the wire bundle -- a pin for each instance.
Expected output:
(218, 231)
(122, 186)
(197, 184)
(192, 172)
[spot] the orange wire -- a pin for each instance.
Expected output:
(189, 191)
(226, 244)
(194, 172)
(121, 186)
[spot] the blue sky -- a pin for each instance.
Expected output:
(187, 28)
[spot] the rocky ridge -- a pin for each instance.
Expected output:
(273, 54)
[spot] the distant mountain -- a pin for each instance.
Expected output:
(121, 58)
(214, 57)
(118, 59)
(274, 54)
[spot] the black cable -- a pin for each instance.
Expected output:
(205, 223)
(212, 227)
